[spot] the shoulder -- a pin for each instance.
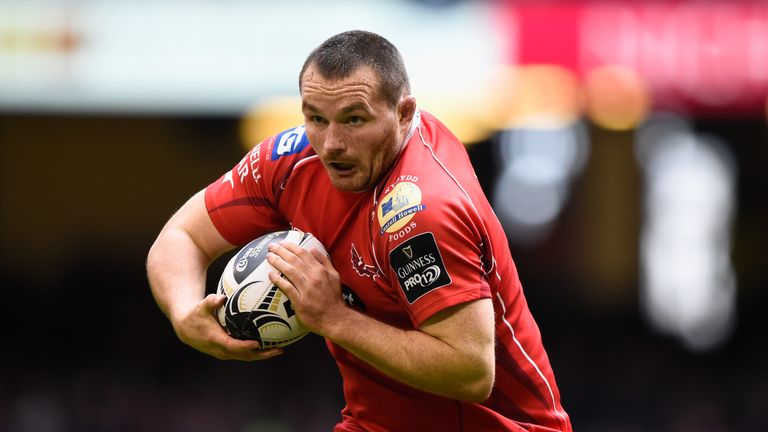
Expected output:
(432, 188)
(261, 172)
(433, 133)
(289, 146)
(275, 155)
(434, 168)
(429, 243)
(419, 201)
(276, 158)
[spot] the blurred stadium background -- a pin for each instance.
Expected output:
(623, 144)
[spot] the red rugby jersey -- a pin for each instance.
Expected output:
(423, 240)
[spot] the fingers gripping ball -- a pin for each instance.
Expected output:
(256, 309)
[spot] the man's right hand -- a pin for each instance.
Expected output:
(199, 328)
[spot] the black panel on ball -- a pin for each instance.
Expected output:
(254, 253)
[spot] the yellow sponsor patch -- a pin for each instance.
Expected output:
(399, 206)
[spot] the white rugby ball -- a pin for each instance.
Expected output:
(256, 309)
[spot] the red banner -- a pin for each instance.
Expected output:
(705, 57)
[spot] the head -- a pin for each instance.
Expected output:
(357, 107)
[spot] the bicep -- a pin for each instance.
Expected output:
(467, 327)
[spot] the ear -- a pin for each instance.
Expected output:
(406, 108)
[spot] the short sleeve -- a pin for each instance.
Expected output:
(438, 263)
(242, 202)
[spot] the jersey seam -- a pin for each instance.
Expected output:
(560, 416)
(484, 235)
(278, 192)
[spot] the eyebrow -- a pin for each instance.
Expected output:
(353, 107)
(346, 110)
(308, 106)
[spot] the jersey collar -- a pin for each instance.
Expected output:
(415, 123)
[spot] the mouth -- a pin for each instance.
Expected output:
(342, 168)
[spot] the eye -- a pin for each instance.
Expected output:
(355, 120)
(317, 119)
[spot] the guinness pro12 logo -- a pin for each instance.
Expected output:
(419, 266)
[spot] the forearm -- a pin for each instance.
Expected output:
(179, 258)
(450, 354)
(177, 265)
(417, 358)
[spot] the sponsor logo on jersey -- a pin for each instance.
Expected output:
(404, 231)
(228, 179)
(398, 179)
(248, 165)
(289, 142)
(361, 268)
(387, 206)
(398, 207)
(419, 266)
(351, 298)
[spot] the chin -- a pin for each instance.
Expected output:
(346, 187)
(349, 185)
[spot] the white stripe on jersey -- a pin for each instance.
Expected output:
(557, 412)
(528, 357)
(305, 160)
(477, 213)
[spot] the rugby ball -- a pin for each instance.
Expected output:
(256, 309)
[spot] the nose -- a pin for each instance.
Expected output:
(334, 141)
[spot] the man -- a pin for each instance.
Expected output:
(435, 333)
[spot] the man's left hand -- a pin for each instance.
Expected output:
(311, 283)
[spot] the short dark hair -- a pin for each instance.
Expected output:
(343, 54)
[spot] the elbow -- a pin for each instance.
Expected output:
(478, 387)
(478, 391)
(151, 263)
(478, 377)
